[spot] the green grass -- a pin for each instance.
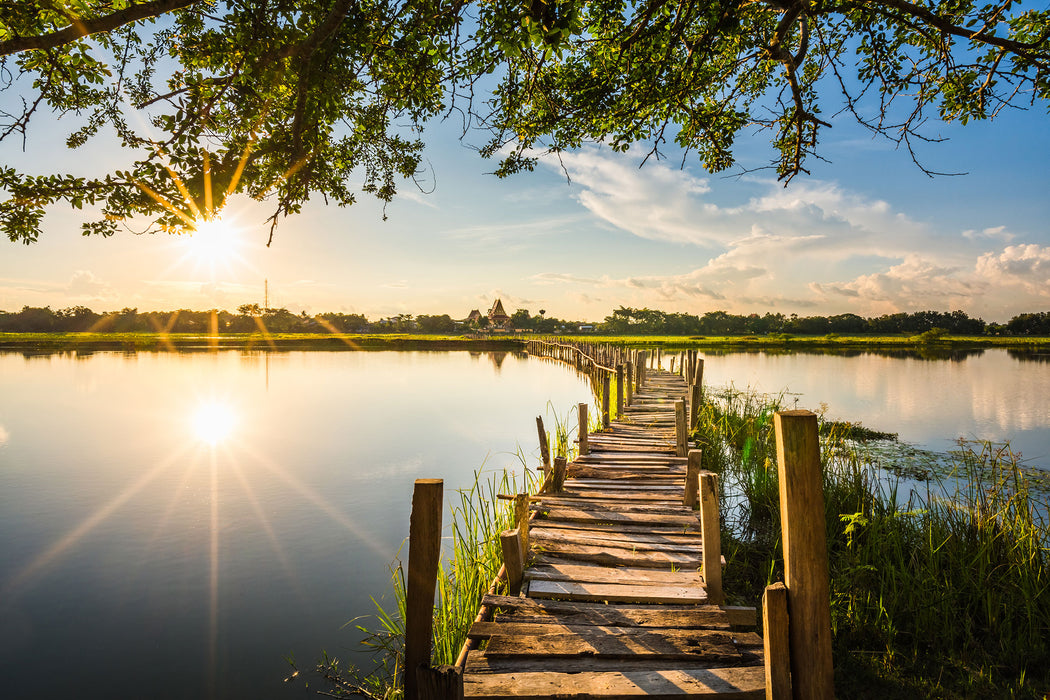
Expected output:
(824, 342)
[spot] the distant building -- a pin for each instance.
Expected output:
(498, 318)
(473, 317)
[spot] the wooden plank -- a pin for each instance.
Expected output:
(549, 539)
(642, 537)
(616, 642)
(616, 527)
(585, 613)
(737, 683)
(478, 662)
(607, 506)
(613, 592)
(605, 574)
(580, 515)
(622, 557)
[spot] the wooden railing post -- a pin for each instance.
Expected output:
(698, 376)
(681, 433)
(545, 450)
(605, 400)
(581, 410)
(630, 382)
(514, 559)
(441, 683)
(558, 475)
(694, 405)
(521, 519)
(692, 479)
(775, 642)
(424, 550)
(619, 390)
(711, 537)
(643, 357)
(805, 554)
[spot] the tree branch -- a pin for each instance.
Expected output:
(82, 28)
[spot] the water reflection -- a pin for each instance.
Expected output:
(213, 421)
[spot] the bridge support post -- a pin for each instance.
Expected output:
(619, 390)
(424, 550)
(775, 642)
(513, 559)
(545, 450)
(605, 400)
(711, 536)
(681, 431)
(630, 381)
(581, 411)
(692, 479)
(805, 554)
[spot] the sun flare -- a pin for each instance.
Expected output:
(213, 241)
(213, 422)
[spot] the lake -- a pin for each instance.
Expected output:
(176, 524)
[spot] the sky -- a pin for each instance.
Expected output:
(866, 232)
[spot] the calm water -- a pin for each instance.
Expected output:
(988, 395)
(173, 525)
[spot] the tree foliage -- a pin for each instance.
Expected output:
(286, 100)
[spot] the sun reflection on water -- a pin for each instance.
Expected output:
(213, 422)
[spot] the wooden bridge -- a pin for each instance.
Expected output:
(612, 584)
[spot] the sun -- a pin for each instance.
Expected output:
(213, 241)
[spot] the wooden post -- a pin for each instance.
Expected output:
(619, 390)
(630, 382)
(514, 559)
(441, 683)
(711, 536)
(775, 642)
(424, 550)
(642, 359)
(558, 475)
(692, 479)
(681, 433)
(805, 554)
(605, 400)
(521, 518)
(694, 404)
(698, 378)
(581, 410)
(545, 450)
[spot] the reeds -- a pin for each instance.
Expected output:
(944, 593)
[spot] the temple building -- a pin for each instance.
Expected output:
(498, 318)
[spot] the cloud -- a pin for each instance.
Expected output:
(1026, 266)
(992, 233)
(85, 285)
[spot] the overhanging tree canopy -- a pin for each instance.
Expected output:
(285, 100)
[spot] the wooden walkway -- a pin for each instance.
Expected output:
(615, 601)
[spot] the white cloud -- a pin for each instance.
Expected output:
(1025, 266)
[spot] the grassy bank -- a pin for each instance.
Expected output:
(823, 343)
(190, 342)
(938, 592)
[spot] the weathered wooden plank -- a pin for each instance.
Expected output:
(613, 592)
(617, 527)
(605, 574)
(586, 613)
(621, 557)
(549, 539)
(737, 683)
(580, 515)
(478, 662)
(617, 642)
(611, 506)
(691, 539)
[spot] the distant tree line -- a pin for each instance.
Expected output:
(628, 321)
(623, 321)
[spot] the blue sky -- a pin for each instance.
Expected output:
(866, 233)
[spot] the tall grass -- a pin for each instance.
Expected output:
(944, 593)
